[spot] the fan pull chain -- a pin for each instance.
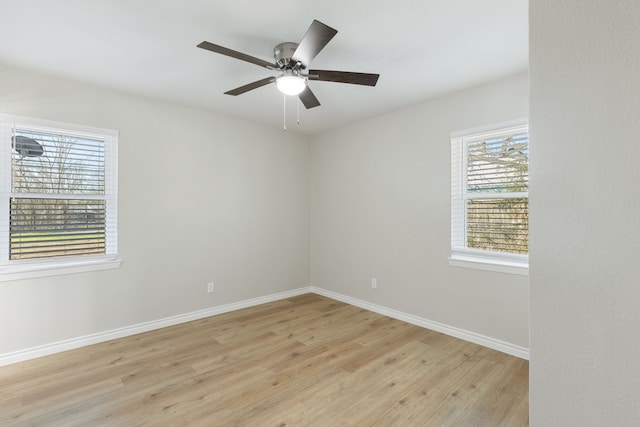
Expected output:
(284, 112)
(298, 104)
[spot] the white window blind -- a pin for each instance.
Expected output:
(489, 194)
(59, 192)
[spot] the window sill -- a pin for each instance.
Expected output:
(500, 266)
(32, 271)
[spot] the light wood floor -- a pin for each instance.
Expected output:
(303, 361)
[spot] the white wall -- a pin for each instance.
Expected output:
(202, 197)
(585, 213)
(380, 194)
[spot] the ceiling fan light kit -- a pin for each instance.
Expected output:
(291, 83)
(292, 60)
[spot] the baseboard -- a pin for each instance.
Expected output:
(70, 344)
(473, 337)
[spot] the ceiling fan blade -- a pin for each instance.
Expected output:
(235, 54)
(246, 88)
(316, 38)
(344, 77)
(308, 98)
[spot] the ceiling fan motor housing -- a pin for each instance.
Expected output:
(283, 53)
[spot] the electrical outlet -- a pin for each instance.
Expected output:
(374, 283)
(210, 287)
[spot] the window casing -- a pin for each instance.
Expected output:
(489, 198)
(58, 198)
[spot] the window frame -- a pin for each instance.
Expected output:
(461, 255)
(52, 266)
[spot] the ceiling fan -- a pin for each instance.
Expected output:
(292, 60)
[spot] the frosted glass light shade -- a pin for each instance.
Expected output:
(290, 85)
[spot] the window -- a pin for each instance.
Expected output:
(490, 199)
(58, 189)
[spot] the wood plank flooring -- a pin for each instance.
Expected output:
(303, 361)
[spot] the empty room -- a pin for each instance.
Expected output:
(357, 213)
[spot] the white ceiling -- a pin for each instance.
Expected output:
(420, 48)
